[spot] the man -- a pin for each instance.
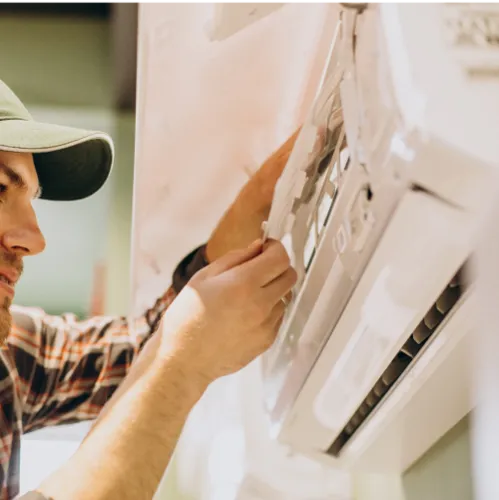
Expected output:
(56, 370)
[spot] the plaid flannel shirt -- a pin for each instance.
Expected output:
(57, 370)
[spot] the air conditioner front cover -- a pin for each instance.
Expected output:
(378, 207)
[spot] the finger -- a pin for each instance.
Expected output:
(273, 322)
(275, 314)
(235, 258)
(269, 264)
(281, 287)
(278, 324)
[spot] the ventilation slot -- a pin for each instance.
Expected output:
(425, 331)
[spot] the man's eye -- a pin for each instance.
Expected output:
(3, 188)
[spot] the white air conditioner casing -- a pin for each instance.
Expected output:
(372, 364)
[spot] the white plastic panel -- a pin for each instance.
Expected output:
(208, 114)
(231, 18)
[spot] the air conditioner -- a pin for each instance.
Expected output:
(378, 207)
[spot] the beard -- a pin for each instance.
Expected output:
(5, 320)
(8, 259)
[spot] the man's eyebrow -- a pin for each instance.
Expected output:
(16, 179)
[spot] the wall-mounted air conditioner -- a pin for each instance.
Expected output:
(378, 206)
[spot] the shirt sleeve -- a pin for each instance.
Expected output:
(67, 370)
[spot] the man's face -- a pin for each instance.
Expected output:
(19, 231)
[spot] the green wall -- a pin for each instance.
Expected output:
(444, 472)
(57, 61)
(61, 69)
(120, 218)
(61, 278)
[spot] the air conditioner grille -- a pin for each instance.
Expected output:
(402, 361)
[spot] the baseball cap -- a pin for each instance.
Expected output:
(71, 163)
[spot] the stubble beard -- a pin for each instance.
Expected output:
(5, 320)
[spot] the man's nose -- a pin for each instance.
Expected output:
(24, 237)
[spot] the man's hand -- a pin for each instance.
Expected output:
(242, 223)
(230, 312)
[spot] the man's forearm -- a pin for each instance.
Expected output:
(136, 433)
(229, 314)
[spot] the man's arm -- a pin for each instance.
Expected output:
(240, 225)
(127, 451)
(227, 315)
(69, 369)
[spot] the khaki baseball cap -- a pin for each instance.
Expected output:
(71, 163)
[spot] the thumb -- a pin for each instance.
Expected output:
(236, 258)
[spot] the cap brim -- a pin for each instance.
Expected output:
(71, 163)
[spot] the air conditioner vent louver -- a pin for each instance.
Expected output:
(402, 361)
